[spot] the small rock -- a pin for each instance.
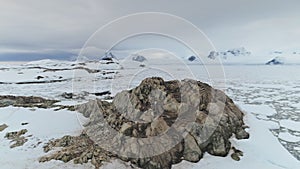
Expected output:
(235, 156)
(242, 134)
(67, 95)
(17, 138)
(25, 123)
(39, 77)
(239, 152)
(192, 58)
(3, 127)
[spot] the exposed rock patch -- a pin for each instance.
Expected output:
(80, 149)
(32, 101)
(157, 124)
(17, 138)
(75, 68)
(3, 127)
(24, 101)
(82, 95)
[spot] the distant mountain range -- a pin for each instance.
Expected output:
(243, 56)
(231, 56)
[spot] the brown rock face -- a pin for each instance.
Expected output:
(160, 123)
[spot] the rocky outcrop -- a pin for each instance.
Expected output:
(17, 138)
(160, 123)
(32, 101)
(80, 149)
(26, 101)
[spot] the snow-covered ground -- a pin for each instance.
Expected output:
(43, 125)
(269, 95)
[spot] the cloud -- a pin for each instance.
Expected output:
(66, 25)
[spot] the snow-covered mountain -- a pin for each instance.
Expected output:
(280, 57)
(276, 61)
(109, 56)
(138, 58)
(232, 56)
(243, 56)
(235, 52)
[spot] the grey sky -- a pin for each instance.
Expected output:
(62, 27)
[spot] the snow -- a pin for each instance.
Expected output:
(290, 124)
(286, 136)
(263, 110)
(43, 125)
(258, 90)
(68, 79)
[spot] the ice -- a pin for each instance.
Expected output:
(269, 95)
(290, 124)
(262, 110)
(286, 136)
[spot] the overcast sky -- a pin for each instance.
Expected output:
(60, 28)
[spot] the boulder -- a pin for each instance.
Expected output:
(160, 123)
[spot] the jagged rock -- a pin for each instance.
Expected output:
(192, 151)
(157, 124)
